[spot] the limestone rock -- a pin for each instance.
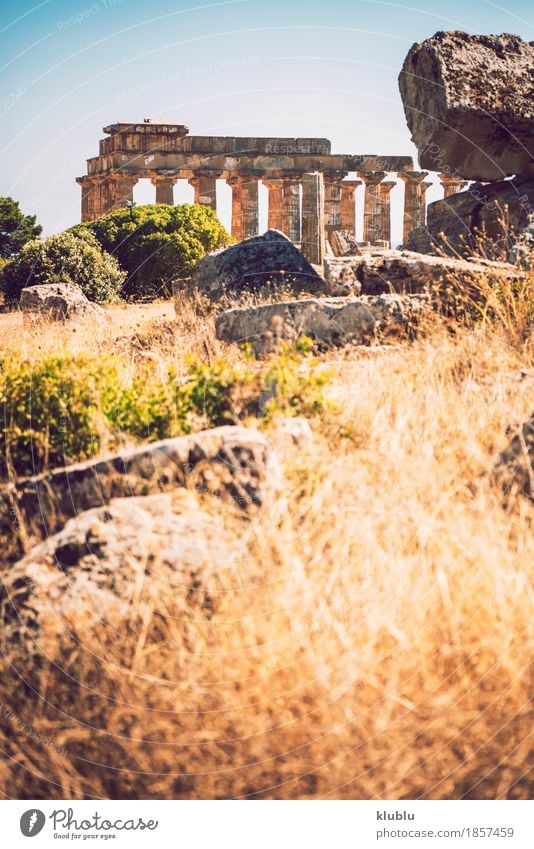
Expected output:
(469, 104)
(230, 462)
(58, 302)
(514, 470)
(379, 271)
(109, 568)
(330, 322)
(245, 267)
(499, 215)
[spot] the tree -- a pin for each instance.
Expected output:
(15, 228)
(157, 243)
(68, 257)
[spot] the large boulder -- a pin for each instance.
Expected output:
(112, 570)
(379, 270)
(267, 260)
(230, 462)
(496, 219)
(330, 322)
(469, 104)
(58, 302)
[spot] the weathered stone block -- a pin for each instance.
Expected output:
(58, 302)
(270, 259)
(233, 462)
(378, 271)
(330, 322)
(469, 104)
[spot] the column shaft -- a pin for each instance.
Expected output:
(291, 197)
(385, 210)
(275, 215)
(372, 207)
(244, 206)
(205, 186)
(313, 231)
(164, 189)
(451, 185)
(332, 203)
(348, 207)
(414, 201)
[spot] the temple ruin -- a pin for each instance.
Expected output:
(309, 195)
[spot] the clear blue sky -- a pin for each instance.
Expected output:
(240, 67)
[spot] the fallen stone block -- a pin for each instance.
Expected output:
(237, 463)
(330, 322)
(469, 104)
(108, 569)
(378, 271)
(496, 219)
(267, 260)
(57, 302)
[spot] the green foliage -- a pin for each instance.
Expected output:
(64, 409)
(64, 256)
(15, 228)
(157, 243)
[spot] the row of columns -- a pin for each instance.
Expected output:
(337, 196)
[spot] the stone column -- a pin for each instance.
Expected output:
(86, 184)
(372, 207)
(384, 189)
(205, 186)
(275, 215)
(348, 207)
(244, 205)
(164, 188)
(332, 201)
(414, 201)
(451, 185)
(291, 196)
(313, 234)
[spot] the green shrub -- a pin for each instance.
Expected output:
(157, 243)
(65, 256)
(15, 228)
(65, 409)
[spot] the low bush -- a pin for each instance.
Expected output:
(68, 257)
(156, 243)
(64, 409)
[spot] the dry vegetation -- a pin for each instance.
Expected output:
(377, 642)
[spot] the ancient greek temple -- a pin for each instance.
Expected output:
(310, 197)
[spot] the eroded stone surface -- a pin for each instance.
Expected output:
(270, 259)
(109, 568)
(469, 104)
(495, 219)
(379, 271)
(514, 470)
(58, 302)
(229, 462)
(330, 322)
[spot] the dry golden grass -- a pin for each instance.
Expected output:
(376, 643)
